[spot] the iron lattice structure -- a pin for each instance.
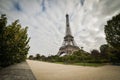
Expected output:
(69, 46)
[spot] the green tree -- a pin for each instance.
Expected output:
(14, 42)
(104, 50)
(112, 32)
(95, 53)
(31, 57)
(95, 56)
(104, 53)
(113, 55)
(3, 22)
(37, 57)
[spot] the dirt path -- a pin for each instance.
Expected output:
(51, 71)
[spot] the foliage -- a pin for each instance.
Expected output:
(104, 49)
(112, 32)
(113, 55)
(89, 64)
(31, 57)
(37, 56)
(95, 56)
(14, 42)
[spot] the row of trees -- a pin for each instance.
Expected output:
(109, 53)
(13, 42)
(80, 56)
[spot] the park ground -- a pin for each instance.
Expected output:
(53, 71)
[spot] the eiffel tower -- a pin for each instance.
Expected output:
(69, 46)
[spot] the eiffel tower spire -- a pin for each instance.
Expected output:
(68, 31)
(69, 45)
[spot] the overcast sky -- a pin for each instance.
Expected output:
(46, 21)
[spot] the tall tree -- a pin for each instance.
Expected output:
(3, 22)
(112, 32)
(14, 42)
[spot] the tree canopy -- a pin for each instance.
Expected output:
(112, 32)
(13, 42)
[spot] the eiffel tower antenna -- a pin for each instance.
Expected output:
(69, 45)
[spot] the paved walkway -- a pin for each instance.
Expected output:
(19, 71)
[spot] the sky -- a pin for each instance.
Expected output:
(47, 23)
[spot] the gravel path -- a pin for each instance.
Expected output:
(52, 71)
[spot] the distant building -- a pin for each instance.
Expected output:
(69, 46)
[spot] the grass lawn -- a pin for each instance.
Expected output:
(83, 64)
(89, 64)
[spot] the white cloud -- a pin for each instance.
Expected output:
(46, 21)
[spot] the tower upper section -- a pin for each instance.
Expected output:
(68, 30)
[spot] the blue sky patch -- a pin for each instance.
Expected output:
(43, 5)
(17, 6)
